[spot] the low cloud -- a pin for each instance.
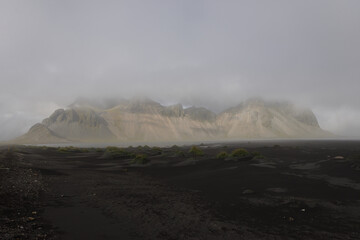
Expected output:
(205, 53)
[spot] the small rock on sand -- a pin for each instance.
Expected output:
(248, 191)
(277, 190)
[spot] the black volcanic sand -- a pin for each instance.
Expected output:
(298, 190)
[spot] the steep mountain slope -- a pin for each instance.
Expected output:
(258, 119)
(78, 124)
(150, 121)
(39, 133)
(147, 120)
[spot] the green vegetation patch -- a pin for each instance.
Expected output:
(179, 153)
(239, 153)
(156, 151)
(71, 149)
(222, 155)
(117, 153)
(196, 152)
(45, 148)
(140, 159)
(257, 155)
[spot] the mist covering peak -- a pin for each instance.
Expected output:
(143, 119)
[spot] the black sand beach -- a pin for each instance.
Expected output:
(286, 190)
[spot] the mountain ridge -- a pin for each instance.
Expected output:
(147, 120)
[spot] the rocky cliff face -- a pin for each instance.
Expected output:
(150, 121)
(146, 120)
(39, 133)
(259, 119)
(78, 124)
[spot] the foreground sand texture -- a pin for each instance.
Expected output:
(287, 190)
(148, 121)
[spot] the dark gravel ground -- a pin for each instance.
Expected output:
(20, 200)
(299, 190)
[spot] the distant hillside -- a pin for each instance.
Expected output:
(147, 120)
(78, 124)
(259, 119)
(39, 133)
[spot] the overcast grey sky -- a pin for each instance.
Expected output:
(209, 53)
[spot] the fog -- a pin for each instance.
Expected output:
(204, 53)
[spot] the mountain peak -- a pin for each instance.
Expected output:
(98, 104)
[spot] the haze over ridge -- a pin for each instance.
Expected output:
(204, 53)
(145, 120)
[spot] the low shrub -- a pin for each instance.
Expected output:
(71, 149)
(138, 147)
(179, 153)
(239, 153)
(257, 155)
(99, 150)
(196, 152)
(112, 149)
(115, 152)
(222, 155)
(156, 151)
(140, 159)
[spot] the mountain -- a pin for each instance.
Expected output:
(147, 120)
(79, 124)
(256, 118)
(39, 133)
